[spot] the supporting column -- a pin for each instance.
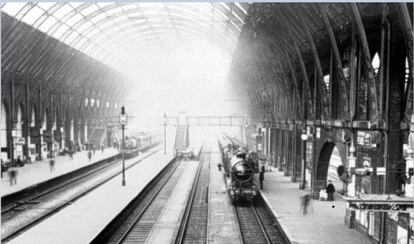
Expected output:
(26, 125)
(285, 151)
(294, 155)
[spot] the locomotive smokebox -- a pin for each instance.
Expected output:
(241, 171)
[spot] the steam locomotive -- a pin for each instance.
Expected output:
(242, 170)
(240, 167)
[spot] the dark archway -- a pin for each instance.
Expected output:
(323, 165)
(5, 128)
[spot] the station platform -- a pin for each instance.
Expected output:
(81, 221)
(323, 224)
(38, 171)
(165, 229)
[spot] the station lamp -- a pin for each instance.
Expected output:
(304, 138)
(123, 120)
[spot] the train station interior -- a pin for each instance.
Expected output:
(207, 122)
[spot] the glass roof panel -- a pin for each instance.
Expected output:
(128, 6)
(225, 5)
(39, 21)
(75, 4)
(80, 43)
(49, 22)
(33, 15)
(98, 18)
(74, 19)
(111, 31)
(71, 37)
(90, 9)
(46, 5)
(92, 32)
(106, 25)
(113, 11)
(238, 17)
(104, 4)
(12, 8)
(241, 8)
(85, 26)
(59, 32)
(62, 11)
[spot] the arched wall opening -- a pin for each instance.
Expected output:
(19, 140)
(3, 133)
(327, 168)
(335, 170)
(33, 134)
(46, 127)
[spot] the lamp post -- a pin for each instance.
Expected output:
(123, 117)
(304, 138)
(351, 168)
(409, 172)
(13, 146)
(165, 133)
(264, 141)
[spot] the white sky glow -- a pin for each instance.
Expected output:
(192, 81)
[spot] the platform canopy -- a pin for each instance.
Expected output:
(128, 34)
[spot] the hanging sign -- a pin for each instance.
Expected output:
(19, 141)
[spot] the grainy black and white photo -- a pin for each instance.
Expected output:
(207, 122)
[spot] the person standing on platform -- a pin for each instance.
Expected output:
(3, 167)
(261, 176)
(13, 176)
(305, 202)
(221, 169)
(102, 148)
(52, 162)
(93, 149)
(19, 162)
(89, 155)
(330, 190)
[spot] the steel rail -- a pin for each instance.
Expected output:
(138, 216)
(25, 226)
(190, 203)
(259, 223)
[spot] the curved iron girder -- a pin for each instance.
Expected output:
(268, 69)
(367, 60)
(275, 61)
(295, 81)
(408, 38)
(408, 31)
(281, 53)
(318, 65)
(342, 86)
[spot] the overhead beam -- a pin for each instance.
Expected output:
(408, 38)
(318, 65)
(334, 46)
(375, 113)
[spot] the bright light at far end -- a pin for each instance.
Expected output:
(192, 81)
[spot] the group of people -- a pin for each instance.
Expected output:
(12, 172)
(324, 194)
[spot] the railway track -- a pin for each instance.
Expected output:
(193, 228)
(257, 224)
(135, 222)
(43, 202)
